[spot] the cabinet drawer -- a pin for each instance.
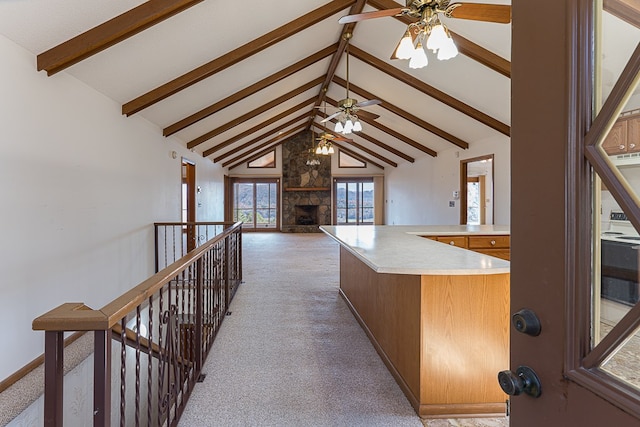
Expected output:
(498, 253)
(459, 241)
(488, 242)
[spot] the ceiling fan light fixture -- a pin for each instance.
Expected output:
(324, 150)
(319, 149)
(357, 126)
(348, 127)
(448, 50)
(419, 58)
(331, 150)
(437, 37)
(338, 127)
(405, 48)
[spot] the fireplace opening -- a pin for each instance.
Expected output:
(306, 214)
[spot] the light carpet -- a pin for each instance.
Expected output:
(291, 353)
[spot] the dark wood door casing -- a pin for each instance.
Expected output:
(550, 208)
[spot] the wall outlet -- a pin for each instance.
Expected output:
(452, 203)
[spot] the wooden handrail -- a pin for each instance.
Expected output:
(79, 317)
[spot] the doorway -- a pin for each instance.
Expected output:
(555, 216)
(188, 203)
(476, 190)
(354, 201)
(256, 202)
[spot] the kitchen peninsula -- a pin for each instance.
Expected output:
(437, 314)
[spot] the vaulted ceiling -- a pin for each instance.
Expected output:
(232, 79)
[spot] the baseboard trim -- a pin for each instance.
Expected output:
(24, 371)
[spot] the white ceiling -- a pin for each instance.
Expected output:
(213, 28)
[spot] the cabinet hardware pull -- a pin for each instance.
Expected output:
(452, 243)
(493, 243)
(621, 146)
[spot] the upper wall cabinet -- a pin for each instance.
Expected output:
(624, 136)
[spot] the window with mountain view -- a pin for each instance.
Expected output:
(354, 201)
(255, 203)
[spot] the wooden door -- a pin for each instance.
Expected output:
(189, 203)
(557, 158)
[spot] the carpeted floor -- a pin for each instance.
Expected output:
(292, 354)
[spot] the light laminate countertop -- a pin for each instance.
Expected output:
(399, 249)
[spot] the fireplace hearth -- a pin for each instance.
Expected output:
(306, 214)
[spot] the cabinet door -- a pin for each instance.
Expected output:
(616, 141)
(633, 134)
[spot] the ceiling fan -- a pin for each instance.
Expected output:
(348, 107)
(428, 31)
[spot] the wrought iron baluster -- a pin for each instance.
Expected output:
(123, 369)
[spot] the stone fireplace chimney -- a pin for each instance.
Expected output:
(306, 190)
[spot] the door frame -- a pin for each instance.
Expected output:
(551, 216)
(464, 170)
(188, 195)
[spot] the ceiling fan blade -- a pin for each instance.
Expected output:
(330, 117)
(342, 138)
(367, 115)
(367, 103)
(370, 15)
(481, 12)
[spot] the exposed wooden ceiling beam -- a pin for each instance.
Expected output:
(404, 114)
(234, 56)
(274, 142)
(109, 33)
(250, 90)
(304, 116)
(375, 141)
(345, 35)
(361, 148)
(626, 10)
(356, 155)
(253, 113)
(259, 127)
(430, 90)
(466, 47)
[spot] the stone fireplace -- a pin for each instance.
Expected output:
(306, 190)
(306, 214)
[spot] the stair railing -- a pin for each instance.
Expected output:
(151, 342)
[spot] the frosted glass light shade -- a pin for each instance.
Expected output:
(437, 38)
(405, 48)
(348, 127)
(357, 127)
(338, 127)
(419, 58)
(448, 50)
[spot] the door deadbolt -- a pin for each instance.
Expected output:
(527, 322)
(523, 380)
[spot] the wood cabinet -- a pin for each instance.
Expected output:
(494, 245)
(624, 136)
(497, 246)
(443, 337)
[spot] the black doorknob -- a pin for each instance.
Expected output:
(523, 380)
(527, 322)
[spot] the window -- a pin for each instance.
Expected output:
(255, 203)
(354, 201)
(267, 160)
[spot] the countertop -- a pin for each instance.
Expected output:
(399, 249)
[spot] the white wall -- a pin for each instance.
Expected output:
(80, 187)
(420, 192)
